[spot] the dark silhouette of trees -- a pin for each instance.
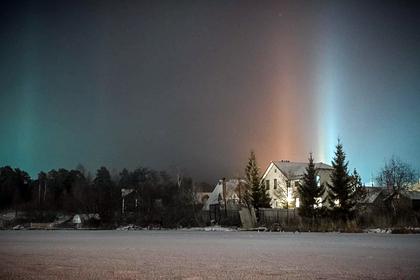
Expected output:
(309, 191)
(160, 199)
(357, 186)
(340, 193)
(108, 197)
(397, 176)
(258, 195)
(14, 188)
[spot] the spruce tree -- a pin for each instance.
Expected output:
(309, 191)
(340, 192)
(357, 186)
(107, 198)
(257, 194)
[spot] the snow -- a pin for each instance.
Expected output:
(179, 254)
(212, 228)
(379, 230)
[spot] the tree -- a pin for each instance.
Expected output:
(108, 198)
(357, 186)
(257, 195)
(340, 192)
(42, 188)
(397, 176)
(309, 191)
(14, 187)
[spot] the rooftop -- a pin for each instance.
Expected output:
(297, 169)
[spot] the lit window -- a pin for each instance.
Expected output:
(289, 195)
(297, 202)
(318, 202)
(318, 181)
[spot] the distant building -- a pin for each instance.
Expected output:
(413, 199)
(202, 192)
(282, 178)
(129, 200)
(377, 198)
(231, 189)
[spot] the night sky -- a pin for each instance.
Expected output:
(195, 85)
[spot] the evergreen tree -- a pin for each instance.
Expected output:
(340, 192)
(357, 186)
(107, 195)
(257, 194)
(309, 191)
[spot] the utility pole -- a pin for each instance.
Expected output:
(287, 200)
(224, 194)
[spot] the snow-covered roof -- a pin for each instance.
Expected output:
(372, 194)
(297, 169)
(217, 193)
(125, 192)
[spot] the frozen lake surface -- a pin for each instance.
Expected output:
(206, 255)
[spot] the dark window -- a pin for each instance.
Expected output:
(275, 183)
(267, 184)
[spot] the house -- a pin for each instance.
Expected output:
(129, 200)
(282, 178)
(202, 192)
(79, 220)
(228, 192)
(378, 197)
(374, 196)
(374, 200)
(413, 199)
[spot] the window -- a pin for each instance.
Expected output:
(267, 184)
(275, 183)
(318, 181)
(318, 202)
(289, 195)
(297, 202)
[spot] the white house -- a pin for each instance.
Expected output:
(282, 179)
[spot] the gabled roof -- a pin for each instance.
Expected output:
(125, 192)
(294, 170)
(231, 189)
(372, 194)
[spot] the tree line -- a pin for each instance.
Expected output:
(171, 201)
(76, 191)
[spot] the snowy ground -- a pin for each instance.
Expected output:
(206, 255)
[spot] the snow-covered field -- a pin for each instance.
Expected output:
(206, 255)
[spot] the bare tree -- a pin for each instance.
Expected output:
(397, 176)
